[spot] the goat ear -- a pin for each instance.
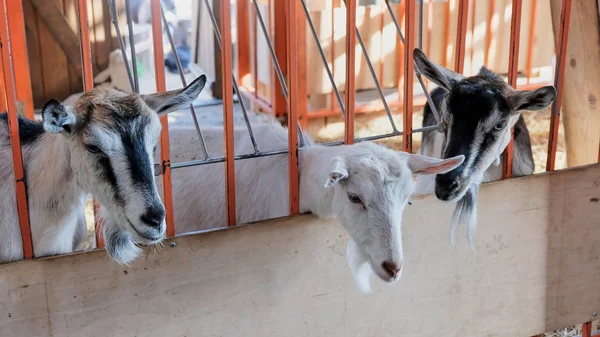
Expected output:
(532, 100)
(445, 78)
(169, 101)
(419, 164)
(56, 118)
(338, 172)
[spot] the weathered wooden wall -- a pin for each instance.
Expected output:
(536, 270)
(53, 75)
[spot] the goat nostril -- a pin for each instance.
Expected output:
(392, 268)
(153, 217)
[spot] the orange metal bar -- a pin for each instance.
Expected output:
(255, 49)
(563, 41)
(18, 46)
(513, 71)
(88, 84)
(3, 107)
(293, 100)
(586, 329)
(400, 50)
(489, 33)
(165, 153)
(302, 67)
(446, 61)
(428, 35)
(280, 45)
(529, 65)
(472, 46)
(350, 71)
(334, 5)
(15, 141)
(461, 36)
(409, 75)
(243, 37)
(228, 112)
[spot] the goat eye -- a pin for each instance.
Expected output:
(354, 198)
(92, 148)
(500, 126)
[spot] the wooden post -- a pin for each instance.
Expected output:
(581, 95)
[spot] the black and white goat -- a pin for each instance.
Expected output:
(476, 117)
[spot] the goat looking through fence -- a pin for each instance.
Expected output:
(103, 145)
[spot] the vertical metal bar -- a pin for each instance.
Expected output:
(513, 72)
(136, 82)
(292, 10)
(420, 24)
(302, 114)
(255, 48)
(16, 24)
(428, 33)
(350, 71)
(88, 84)
(531, 42)
(278, 100)
(334, 4)
(165, 155)
(243, 27)
(228, 112)
(461, 36)
(586, 329)
(381, 44)
(472, 46)
(561, 54)
(446, 61)
(489, 33)
(13, 125)
(409, 43)
(400, 50)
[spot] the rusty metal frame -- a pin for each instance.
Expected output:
(513, 70)
(561, 54)
(13, 126)
(461, 36)
(350, 89)
(409, 71)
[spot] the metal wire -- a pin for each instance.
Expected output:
(420, 24)
(136, 82)
(234, 81)
(184, 82)
(220, 160)
(323, 58)
(374, 75)
(112, 6)
(398, 29)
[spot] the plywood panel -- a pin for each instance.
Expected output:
(536, 270)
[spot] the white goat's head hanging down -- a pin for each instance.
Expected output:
(112, 136)
(371, 187)
(477, 114)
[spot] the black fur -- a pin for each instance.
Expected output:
(29, 131)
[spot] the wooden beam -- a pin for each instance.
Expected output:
(58, 26)
(581, 82)
(538, 257)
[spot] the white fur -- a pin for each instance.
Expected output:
(381, 177)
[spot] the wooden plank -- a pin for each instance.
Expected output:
(34, 54)
(59, 29)
(55, 63)
(538, 257)
(581, 99)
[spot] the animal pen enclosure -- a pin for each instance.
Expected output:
(538, 254)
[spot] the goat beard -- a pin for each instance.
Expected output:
(465, 213)
(120, 245)
(359, 266)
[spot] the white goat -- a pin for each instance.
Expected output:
(102, 145)
(365, 186)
